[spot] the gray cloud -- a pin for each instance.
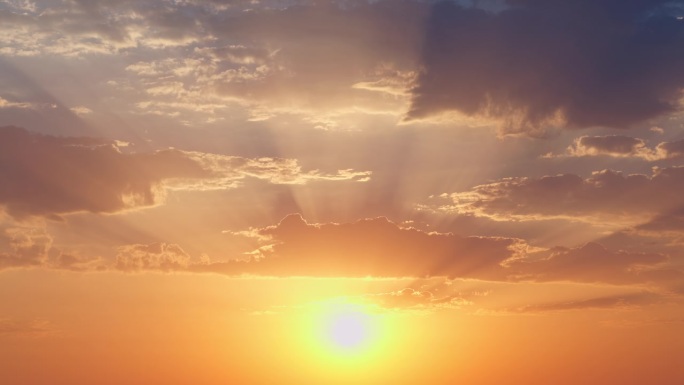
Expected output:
(671, 150)
(539, 63)
(47, 175)
(526, 64)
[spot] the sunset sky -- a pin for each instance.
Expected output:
(314, 192)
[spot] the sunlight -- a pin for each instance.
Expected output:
(349, 330)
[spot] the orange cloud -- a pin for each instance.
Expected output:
(155, 256)
(371, 247)
(24, 247)
(409, 298)
(379, 248)
(26, 328)
(592, 262)
(623, 301)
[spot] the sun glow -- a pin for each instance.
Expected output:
(349, 330)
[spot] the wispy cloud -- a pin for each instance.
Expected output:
(606, 197)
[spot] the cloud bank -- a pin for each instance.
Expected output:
(538, 63)
(379, 248)
(371, 247)
(527, 65)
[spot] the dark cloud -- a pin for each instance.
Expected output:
(605, 194)
(48, 175)
(671, 150)
(578, 64)
(325, 56)
(527, 64)
(44, 175)
(667, 222)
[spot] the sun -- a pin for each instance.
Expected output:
(349, 330)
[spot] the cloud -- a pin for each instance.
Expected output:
(230, 171)
(80, 28)
(370, 247)
(81, 110)
(24, 246)
(26, 328)
(525, 64)
(379, 248)
(74, 262)
(613, 145)
(615, 302)
(606, 197)
(620, 146)
(671, 150)
(4, 103)
(591, 262)
(272, 58)
(537, 64)
(268, 55)
(670, 222)
(48, 175)
(44, 175)
(154, 257)
(409, 298)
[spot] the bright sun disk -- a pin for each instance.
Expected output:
(348, 330)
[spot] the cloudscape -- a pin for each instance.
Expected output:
(341, 192)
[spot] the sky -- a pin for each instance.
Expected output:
(341, 191)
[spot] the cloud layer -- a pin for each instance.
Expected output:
(538, 63)
(380, 248)
(526, 65)
(371, 247)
